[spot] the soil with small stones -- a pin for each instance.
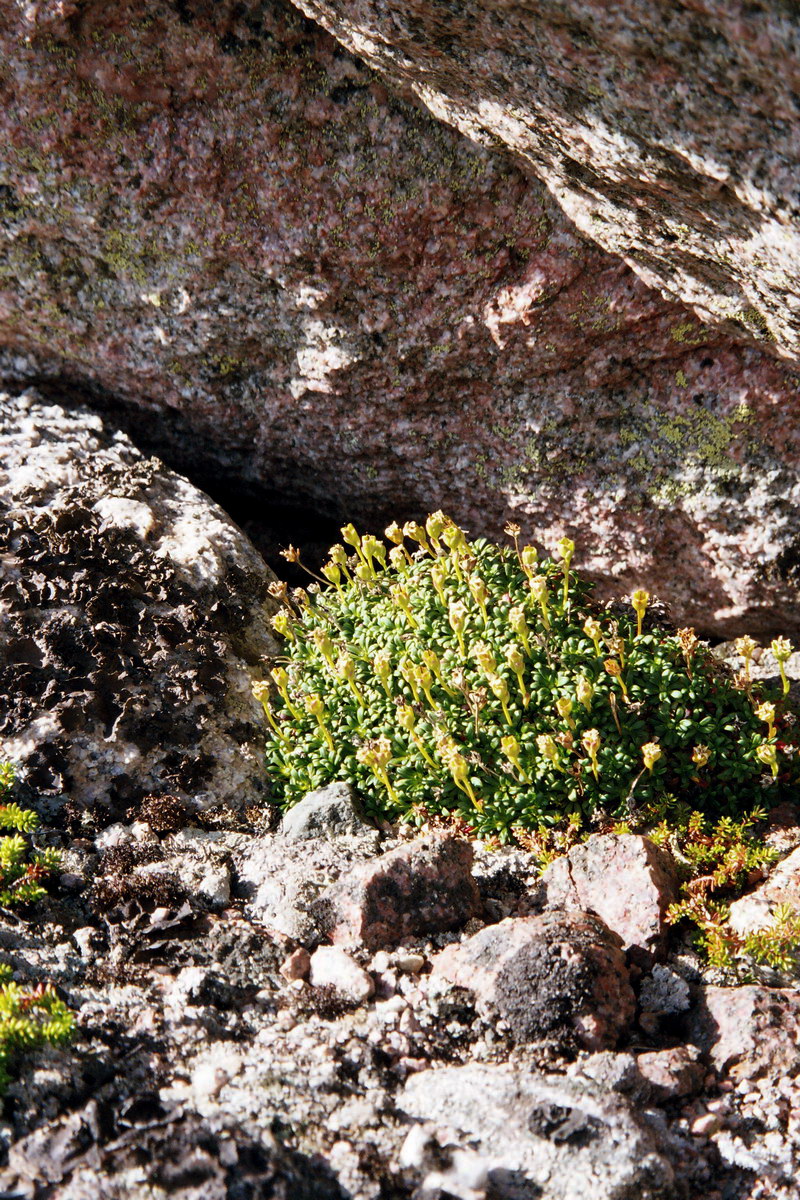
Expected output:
(199, 1072)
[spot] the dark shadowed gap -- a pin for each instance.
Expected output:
(271, 519)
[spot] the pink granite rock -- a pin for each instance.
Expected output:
(626, 879)
(296, 965)
(557, 977)
(667, 132)
(750, 1031)
(422, 887)
(671, 1073)
(756, 909)
(304, 288)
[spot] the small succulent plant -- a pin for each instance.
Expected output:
(484, 681)
(21, 869)
(30, 1017)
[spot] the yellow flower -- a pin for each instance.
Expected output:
(548, 749)
(565, 548)
(746, 647)
(592, 629)
(282, 624)
(398, 557)
(516, 619)
(314, 705)
(394, 533)
(584, 692)
(615, 670)
(483, 655)
(480, 594)
(381, 662)
(640, 600)
(701, 755)
(766, 712)
(500, 689)
(651, 753)
(564, 707)
(333, 574)
(416, 533)
(538, 588)
(511, 748)
(436, 525)
(350, 535)
(591, 744)
(457, 616)
(768, 756)
(782, 650)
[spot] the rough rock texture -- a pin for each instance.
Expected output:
(133, 616)
(757, 908)
(559, 1134)
(332, 967)
(750, 1031)
(559, 977)
(625, 879)
(215, 214)
(423, 887)
(285, 884)
(331, 811)
(671, 1073)
(667, 132)
(204, 1067)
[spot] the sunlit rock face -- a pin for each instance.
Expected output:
(299, 283)
(668, 132)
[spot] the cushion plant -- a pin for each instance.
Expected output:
(485, 681)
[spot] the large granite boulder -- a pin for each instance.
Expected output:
(668, 132)
(133, 617)
(296, 284)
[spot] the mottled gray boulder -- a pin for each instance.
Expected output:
(134, 615)
(285, 882)
(331, 811)
(753, 1032)
(567, 1137)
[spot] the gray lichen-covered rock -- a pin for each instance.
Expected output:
(331, 811)
(756, 910)
(567, 1139)
(286, 884)
(214, 212)
(558, 978)
(133, 617)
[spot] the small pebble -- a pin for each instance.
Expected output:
(410, 964)
(706, 1125)
(297, 965)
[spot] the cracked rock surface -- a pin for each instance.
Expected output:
(298, 286)
(133, 616)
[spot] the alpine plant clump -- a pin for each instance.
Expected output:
(450, 676)
(30, 1017)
